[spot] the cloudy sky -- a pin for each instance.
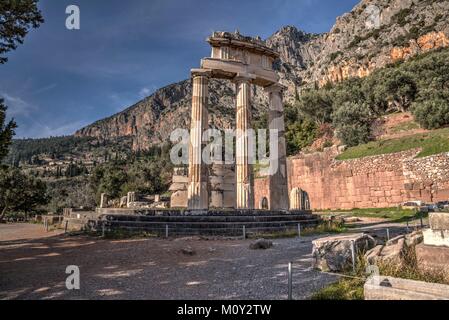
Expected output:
(61, 80)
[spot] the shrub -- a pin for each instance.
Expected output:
(432, 113)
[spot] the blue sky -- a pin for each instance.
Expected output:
(61, 80)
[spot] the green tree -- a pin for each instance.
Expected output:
(6, 131)
(399, 90)
(353, 123)
(317, 105)
(20, 193)
(17, 17)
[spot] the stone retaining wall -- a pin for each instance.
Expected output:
(370, 182)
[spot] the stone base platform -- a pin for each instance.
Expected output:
(433, 258)
(210, 222)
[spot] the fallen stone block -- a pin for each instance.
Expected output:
(432, 258)
(261, 244)
(436, 237)
(414, 238)
(389, 288)
(188, 251)
(334, 253)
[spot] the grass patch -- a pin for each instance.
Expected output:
(391, 214)
(325, 227)
(405, 126)
(322, 228)
(344, 289)
(274, 235)
(433, 142)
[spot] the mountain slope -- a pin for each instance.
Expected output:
(353, 48)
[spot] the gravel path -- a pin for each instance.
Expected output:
(152, 268)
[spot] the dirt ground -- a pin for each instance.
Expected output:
(33, 264)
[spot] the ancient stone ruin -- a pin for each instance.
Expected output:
(245, 61)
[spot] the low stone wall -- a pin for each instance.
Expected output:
(370, 182)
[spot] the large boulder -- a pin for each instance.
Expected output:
(334, 253)
(261, 244)
(394, 249)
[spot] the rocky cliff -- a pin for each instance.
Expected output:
(374, 34)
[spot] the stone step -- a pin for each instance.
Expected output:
(210, 219)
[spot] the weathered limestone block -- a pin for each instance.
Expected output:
(178, 199)
(439, 220)
(138, 204)
(439, 238)
(216, 199)
(180, 179)
(393, 251)
(389, 288)
(334, 253)
(228, 199)
(432, 258)
(178, 186)
(123, 202)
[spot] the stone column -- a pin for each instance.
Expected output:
(277, 179)
(131, 197)
(103, 200)
(296, 199)
(198, 193)
(244, 169)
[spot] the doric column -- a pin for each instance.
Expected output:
(198, 193)
(296, 199)
(277, 178)
(244, 169)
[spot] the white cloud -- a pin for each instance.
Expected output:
(39, 130)
(16, 105)
(144, 92)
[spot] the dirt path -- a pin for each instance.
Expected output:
(153, 268)
(23, 231)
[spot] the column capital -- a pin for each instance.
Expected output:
(275, 87)
(201, 73)
(244, 77)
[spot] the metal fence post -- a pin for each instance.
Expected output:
(103, 230)
(353, 254)
(66, 226)
(289, 281)
(299, 230)
(166, 230)
(388, 234)
(244, 232)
